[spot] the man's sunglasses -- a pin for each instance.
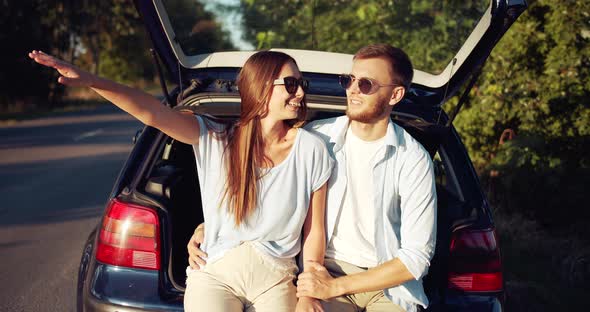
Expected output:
(366, 85)
(292, 83)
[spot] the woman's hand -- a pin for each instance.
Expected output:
(196, 257)
(307, 304)
(141, 105)
(70, 74)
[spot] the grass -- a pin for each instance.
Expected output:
(545, 270)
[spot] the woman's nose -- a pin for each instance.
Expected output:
(300, 93)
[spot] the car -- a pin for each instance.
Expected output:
(135, 258)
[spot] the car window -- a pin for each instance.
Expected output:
(431, 32)
(446, 181)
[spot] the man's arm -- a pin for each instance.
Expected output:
(196, 257)
(319, 284)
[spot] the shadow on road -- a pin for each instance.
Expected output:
(58, 190)
(62, 167)
(115, 129)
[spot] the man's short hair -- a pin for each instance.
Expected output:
(401, 66)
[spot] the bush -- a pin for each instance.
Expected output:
(541, 179)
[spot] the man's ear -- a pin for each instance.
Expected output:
(397, 95)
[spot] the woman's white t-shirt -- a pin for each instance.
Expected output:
(284, 193)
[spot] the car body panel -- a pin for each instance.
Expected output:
(119, 286)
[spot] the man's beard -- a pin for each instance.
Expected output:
(370, 114)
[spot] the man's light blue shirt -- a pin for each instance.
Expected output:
(405, 202)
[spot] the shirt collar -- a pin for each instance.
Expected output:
(338, 135)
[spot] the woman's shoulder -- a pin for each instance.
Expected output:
(211, 123)
(311, 140)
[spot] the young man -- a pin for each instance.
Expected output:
(381, 202)
(381, 206)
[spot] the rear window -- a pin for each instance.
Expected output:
(431, 32)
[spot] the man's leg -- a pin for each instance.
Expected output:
(337, 304)
(380, 303)
(344, 303)
(373, 301)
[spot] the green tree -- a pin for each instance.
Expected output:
(537, 82)
(24, 26)
(196, 29)
(430, 32)
(106, 37)
(112, 40)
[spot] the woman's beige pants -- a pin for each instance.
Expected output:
(244, 279)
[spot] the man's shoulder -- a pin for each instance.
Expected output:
(411, 145)
(324, 128)
(310, 138)
(323, 125)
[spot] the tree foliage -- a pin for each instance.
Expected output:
(196, 29)
(106, 37)
(430, 31)
(22, 28)
(537, 82)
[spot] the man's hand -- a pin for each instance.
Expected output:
(196, 257)
(307, 304)
(317, 283)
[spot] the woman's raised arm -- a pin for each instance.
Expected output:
(143, 106)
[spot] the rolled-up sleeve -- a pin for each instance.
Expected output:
(323, 165)
(417, 192)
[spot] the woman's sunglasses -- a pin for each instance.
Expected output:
(366, 85)
(292, 83)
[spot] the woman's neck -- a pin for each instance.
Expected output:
(273, 131)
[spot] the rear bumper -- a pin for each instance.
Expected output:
(111, 288)
(469, 303)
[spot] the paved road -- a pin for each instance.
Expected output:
(55, 176)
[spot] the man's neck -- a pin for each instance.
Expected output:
(370, 131)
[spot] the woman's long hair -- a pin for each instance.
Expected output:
(244, 154)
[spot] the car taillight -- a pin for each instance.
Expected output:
(475, 264)
(129, 237)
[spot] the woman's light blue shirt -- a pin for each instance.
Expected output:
(284, 194)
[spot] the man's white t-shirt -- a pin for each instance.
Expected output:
(353, 239)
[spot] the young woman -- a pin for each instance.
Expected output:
(263, 180)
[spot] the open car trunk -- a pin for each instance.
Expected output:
(173, 183)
